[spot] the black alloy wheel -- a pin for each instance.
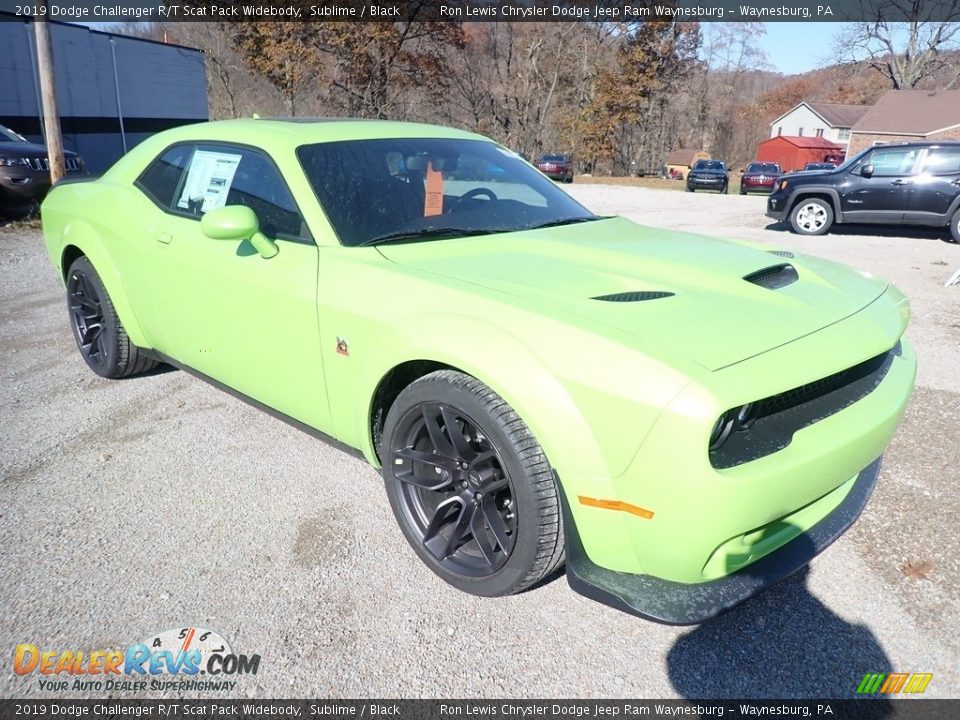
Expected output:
(86, 318)
(470, 486)
(455, 491)
(101, 337)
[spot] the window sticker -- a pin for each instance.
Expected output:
(433, 199)
(208, 180)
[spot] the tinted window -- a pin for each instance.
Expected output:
(220, 175)
(897, 161)
(708, 165)
(162, 178)
(942, 161)
(8, 135)
(763, 168)
(373, 188)
(553, 158)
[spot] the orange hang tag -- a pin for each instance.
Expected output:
(433, 200)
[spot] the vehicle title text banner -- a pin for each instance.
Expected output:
(623, 11)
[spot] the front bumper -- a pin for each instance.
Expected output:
(21, 187)
(777, 206)
(675, 603)
(757, 186)
(714, 183)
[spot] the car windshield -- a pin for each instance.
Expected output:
(407, 189)
(708, 165)
(851, 161)
(8, 135)
(553, 158)
(762, 168)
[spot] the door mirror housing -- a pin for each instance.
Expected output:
(867, 170)
(237, 223)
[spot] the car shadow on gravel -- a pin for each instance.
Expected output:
(891, 231)
(783, 643)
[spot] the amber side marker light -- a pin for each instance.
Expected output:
(617, 505)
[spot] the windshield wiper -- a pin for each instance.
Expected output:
(566, 221)
(426, 234)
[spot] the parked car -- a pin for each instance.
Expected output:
(25, 171)
(708, 175)
(759, 177)
(905, 184)
(685, 420)
(556, 167)
(818, 166)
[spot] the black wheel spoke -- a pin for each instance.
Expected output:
(87, 315)
(439, 478)
(432, 414)
(496, 523)
(457, 438)
(459, 530)
(479, 532)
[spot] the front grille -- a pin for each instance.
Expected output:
(778, 417)
(635, 296)
(774, 277)
(42, 164)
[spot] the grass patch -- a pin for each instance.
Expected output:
(648, 182)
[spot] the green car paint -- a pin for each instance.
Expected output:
(622, 397)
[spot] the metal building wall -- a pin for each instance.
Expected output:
(113, 91)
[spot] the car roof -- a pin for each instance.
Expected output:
(299, 131)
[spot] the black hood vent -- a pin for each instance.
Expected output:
(781, 253)
(773, 278)
(636, 296)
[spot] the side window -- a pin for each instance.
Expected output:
(161, 179)
(220, 175)
(893, 161)
(942, 161)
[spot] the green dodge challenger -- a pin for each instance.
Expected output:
(683, 421)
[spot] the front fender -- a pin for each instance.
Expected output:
(502, 362)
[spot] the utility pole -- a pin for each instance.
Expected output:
(48, 93)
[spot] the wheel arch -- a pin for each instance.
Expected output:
(82, 244)
(513, 371)
(824, 193)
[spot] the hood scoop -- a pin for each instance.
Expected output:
(635, 296)
(774, 277)
(781, 253)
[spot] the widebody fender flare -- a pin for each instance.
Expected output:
(78, 238)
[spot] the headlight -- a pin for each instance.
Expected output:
(13, 161)
(783, 184)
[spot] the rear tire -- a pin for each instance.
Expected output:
(100, 336)
(955, 227)
(689, 189)
(470, 486)
(811, 216)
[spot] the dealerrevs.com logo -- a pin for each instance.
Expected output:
(181, 659)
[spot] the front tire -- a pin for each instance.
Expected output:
(470, 486)
(100, 336)
(811, 216)
(955, 227)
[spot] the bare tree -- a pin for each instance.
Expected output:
(906, 53)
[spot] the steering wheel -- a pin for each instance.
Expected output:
(476, 192)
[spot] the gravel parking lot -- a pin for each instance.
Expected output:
(130, 507)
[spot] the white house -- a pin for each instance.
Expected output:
(831, 121)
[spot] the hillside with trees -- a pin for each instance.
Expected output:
(617, 96)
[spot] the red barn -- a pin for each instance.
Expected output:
(792, 153)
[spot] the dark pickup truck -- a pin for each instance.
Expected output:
(901, 184)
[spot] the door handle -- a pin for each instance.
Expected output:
(898, 181)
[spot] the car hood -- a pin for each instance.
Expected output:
(21, 149)
(714, 317)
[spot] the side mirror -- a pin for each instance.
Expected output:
(237, 223)
(866, 171)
